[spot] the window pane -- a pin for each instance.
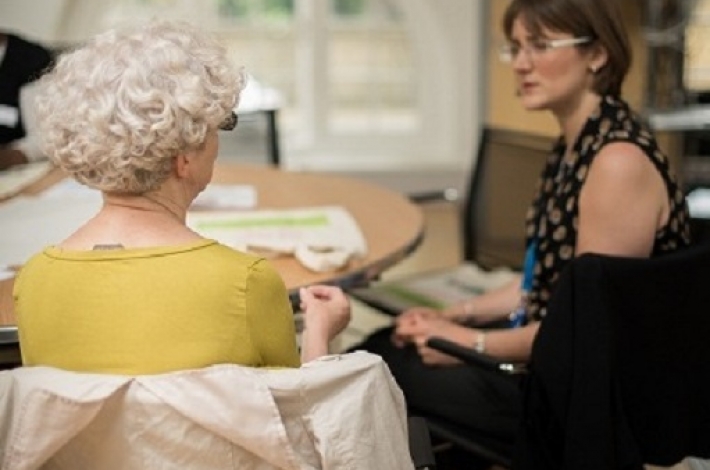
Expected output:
(697, 51)
(233, 8)
(373, 11)
(371, 69)
(346, 8)
(364, 75)
(255, 11)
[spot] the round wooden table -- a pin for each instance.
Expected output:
(393, 226)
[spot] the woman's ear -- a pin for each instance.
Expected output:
(598, 59)
(182, 165)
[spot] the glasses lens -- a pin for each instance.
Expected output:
(230, 123)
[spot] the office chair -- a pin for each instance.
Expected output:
(492, 213)
(9, 349)
(617, 374)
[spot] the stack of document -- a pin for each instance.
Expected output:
(321, 238)
(434, 289)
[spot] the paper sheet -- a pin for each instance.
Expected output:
(215, 196)
(226, 196)
(321, 238)
(28, 224)
(436, 289)
(17, 178)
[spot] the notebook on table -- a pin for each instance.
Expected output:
(437, 289)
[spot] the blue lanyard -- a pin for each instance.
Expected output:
(517, 317)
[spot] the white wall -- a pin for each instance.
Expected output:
(37, 19)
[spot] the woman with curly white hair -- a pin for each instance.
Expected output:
(135, 114)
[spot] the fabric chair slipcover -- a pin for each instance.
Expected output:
(339, 412)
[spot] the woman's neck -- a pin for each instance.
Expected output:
(573, 118)
(149, 204)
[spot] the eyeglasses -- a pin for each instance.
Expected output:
(230, 122)
(538, 47)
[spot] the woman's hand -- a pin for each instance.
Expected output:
(408, 314)
(405, 318)
(326, 312)
(418, 326)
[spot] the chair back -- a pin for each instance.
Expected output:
(619, 368)
(339, 412)
(500, 188)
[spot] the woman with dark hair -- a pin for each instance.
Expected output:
(606, 188)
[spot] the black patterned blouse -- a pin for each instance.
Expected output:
(552, 219)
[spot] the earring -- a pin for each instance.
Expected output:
(594, 70)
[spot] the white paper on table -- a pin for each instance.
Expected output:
(68, 188)
(16, 178)
(29, 224)
(321, 238)
(438, 289)
(226, 196)
(215, 196)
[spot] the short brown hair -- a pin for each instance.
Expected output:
(598, 19)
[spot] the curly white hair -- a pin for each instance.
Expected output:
(115, 112)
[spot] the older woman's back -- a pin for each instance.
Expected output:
(135, 114)
(153, 310)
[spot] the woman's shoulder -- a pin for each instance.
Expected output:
(625, 132)
(623, 123)
(622, 160)
(233, 258)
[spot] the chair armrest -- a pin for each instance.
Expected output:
(8, 335)
(469, 356)
(436, 195)
(420, 447)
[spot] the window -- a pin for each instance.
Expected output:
(364, 83)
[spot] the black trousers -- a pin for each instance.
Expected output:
(486, 401)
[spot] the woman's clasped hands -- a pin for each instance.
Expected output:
(415, 326)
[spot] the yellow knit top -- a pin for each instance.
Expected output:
(153, 310)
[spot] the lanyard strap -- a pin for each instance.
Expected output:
(518, 316)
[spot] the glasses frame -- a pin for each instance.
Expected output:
(509, 52)
(230, 122)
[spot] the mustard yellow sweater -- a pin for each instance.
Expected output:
(153, 310)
